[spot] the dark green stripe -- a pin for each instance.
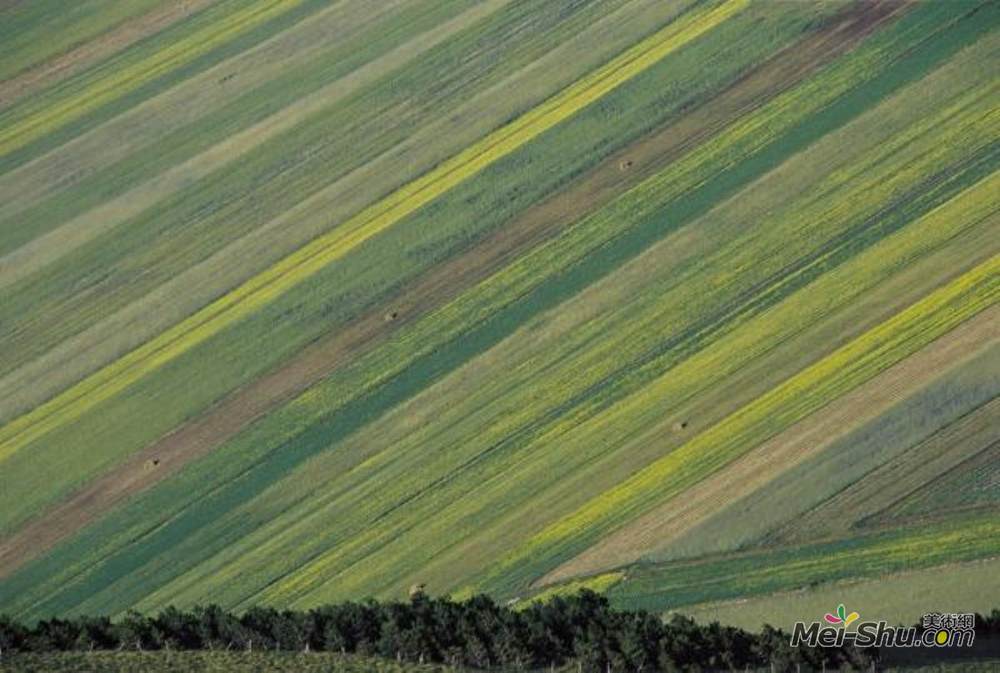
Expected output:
(426, 370)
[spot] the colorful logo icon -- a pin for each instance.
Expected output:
(841, 617)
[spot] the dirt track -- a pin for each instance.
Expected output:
(439, 285)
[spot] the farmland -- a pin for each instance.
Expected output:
(688, 303)
(894, 598)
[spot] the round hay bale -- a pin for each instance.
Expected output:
(418, 590)
(392, 315)
(624, 164)
(680, 425)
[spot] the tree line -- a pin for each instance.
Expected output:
(476, 632)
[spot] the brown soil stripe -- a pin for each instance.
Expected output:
(659, 527)
(77, 59)
(442, 283)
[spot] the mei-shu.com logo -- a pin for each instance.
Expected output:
(936, 630)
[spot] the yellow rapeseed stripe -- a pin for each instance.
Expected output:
(932, 316)
(312, 257)
(116, 84)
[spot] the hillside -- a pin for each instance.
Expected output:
(688, 302)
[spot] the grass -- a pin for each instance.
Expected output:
(236, 662)
(671, 586)
(18, 133)
(13, 427)
(596, 583)
(293, 269)
(204, 218)
(897, 598)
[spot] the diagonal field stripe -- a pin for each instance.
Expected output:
(843, 370)
(114, 85)
(41, 251)
(330, 247)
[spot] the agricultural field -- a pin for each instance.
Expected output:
(695, 303)
(670, 586)
(895, 598)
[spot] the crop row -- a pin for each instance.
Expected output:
(281, 190)
(287, 325)
(541, 395)
(308, 260)
(278, 546)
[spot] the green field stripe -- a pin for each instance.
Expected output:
(193, 247)
(919, 199)
(589, 402)
(50, 218)
(68, 315)
(18, 132)
(149, 77)
(287, 457)
(310, 259)
(706, 387)
(839, 372)
(668, 586)
(32, 32)
(751, 519)
(339, 425)
(896, 598)
(561, 151)
(429, 523)
(970, 486)
(265, 205)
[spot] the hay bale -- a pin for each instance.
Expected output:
(624, 164)
(418, 590)
(392, 315)
(680, 425)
